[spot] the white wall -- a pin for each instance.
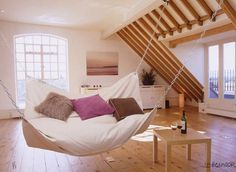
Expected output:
(79, 43)
(191, 54)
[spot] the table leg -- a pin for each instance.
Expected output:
(208, 156)
(188, 152)
(168, 157)
(155, 149)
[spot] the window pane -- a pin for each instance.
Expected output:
(20, 93)
(45, 40)
(29, 58)
(62, 67)
(62, 42)
(37, 67)
(20, 57)
(46, 49)
(54, 67)
(62, 59)
(20, 75)
(29, 48)
(28, 39)
(54, 75)
(53, 58)
(20, 40)
(46, 67)
(53, 49)
(46, 75)
(37, 58)
(37, 75)
(20, 67)
(46, 58)
(20, 48)
(62, 75)
(53, 41)
(30, 74)
(229, 70)
(30, 66)
(213, 71)
(37, 39)
(61, 50)
(37, 48)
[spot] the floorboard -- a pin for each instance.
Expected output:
(134, 156)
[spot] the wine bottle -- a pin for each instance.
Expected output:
(184, 123)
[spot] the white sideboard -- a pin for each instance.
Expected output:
(151, 95)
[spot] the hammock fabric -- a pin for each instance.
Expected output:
(77, 137)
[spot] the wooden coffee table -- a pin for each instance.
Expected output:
(192, 137)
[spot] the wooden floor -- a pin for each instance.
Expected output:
(134, 156)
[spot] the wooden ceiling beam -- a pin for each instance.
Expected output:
(168, 55)
(180, 14)
(174, 61)
(171, 18)
(229, 11)
(149, 61)
(193, 12)
(210, 32)
(150, 30)
(163, 22)
(160, 54)
(205, 7)
(156, 26)
(155, 61)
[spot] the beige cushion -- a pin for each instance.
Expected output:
(55, 106)
(125, 107)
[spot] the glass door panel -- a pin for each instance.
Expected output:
(213, 71)
(229, 70)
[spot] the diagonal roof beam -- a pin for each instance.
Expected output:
(228, 9)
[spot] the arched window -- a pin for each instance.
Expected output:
(40, 56)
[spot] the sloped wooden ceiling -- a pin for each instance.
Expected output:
(138, 34)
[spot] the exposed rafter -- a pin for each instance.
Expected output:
(171, 18)
(210, 32)
(205, 7)
(163, 22)
(181, 14)
(160, 22)
(192, 11)
(155, 25)
(229, 11)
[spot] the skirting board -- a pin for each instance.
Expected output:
(221, 112)
(7, 114)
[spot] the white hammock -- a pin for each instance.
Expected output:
(77, 137)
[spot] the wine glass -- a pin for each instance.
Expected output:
(179, 124)
(173, 126)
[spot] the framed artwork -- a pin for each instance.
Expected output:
(102, 63)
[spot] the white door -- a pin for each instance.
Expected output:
(220, 69)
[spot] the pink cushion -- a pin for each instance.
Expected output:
(93, 106)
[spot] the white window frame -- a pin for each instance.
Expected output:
(218, 105)
(58, 65)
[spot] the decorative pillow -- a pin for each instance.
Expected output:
(125, 107)
(93, 106)
(55, 106)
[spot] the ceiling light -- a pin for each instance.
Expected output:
(2, 11)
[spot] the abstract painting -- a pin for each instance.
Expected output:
(102, 63)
